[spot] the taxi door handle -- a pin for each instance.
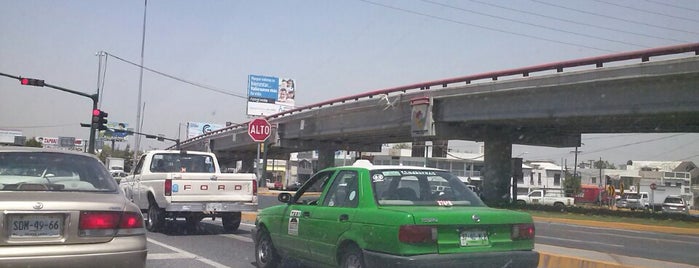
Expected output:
(344, 217)
(306, 214)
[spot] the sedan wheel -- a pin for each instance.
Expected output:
(265, 255)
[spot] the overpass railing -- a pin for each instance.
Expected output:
(598, 62)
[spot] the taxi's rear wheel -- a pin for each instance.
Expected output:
(265, 254)
(352, 257)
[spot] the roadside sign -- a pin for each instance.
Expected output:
(259, 129)
(653, 186)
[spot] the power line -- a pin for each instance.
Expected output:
(180, 79)
(484, 27)
(671, 5)
(533, 24)
(613, 18)
(577, 22)
(647, 11)
(44, 126)
(633, 143)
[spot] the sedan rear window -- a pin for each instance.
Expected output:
(421, 188)
(53, 171)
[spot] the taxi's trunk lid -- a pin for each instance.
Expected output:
(472, 229)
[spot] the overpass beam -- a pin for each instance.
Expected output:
(498, 167)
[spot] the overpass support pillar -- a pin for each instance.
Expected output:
(498, 168)
(247, 165)
(326, 158)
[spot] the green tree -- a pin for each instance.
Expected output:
(604, 165)
(33, 143)
(572, 185)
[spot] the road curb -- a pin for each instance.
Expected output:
(550, 260)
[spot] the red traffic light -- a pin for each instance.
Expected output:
(31, 82)
(96, 112)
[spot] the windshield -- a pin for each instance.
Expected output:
(421, 188)
(47, 171)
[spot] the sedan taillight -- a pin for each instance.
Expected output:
(417, 234)
(522, 231)
(110, 223)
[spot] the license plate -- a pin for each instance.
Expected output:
(214, 206)
(44, 225)
(474, 238)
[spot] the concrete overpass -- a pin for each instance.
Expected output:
(544, 105)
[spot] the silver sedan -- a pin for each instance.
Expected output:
(63, 209)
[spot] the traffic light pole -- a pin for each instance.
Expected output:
(93, 97)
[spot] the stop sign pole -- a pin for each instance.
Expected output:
(259, 130)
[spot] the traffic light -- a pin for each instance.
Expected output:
(99, 120)
(32, 82)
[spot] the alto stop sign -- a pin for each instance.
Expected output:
(259, 129)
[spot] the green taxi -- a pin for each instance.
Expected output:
(391, 216)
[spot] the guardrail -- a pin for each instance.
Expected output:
(598, 62)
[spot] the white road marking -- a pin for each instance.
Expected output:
(183, 254)
(168, 256)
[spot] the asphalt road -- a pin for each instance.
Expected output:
(642, 244)
(209, 246)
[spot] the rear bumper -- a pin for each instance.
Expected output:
(120, 252)
(202, 207)
(509, 259)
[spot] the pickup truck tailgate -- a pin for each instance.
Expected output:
(193, 187)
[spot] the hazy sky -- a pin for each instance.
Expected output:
(331, 48)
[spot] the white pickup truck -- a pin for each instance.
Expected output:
(187, 184)
(544, 197)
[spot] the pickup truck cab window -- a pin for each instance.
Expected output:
(176, 162)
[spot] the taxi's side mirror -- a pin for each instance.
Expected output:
(284, 197)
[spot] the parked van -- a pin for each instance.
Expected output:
(638, 200)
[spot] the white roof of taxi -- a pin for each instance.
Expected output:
(368, 165)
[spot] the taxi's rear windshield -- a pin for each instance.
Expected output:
(411, 187)
(50, 171)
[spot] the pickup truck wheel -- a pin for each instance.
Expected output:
(521, 203)
(265, 254)
(156, 217)
(352, 258)
(231, 221)
(560, 206)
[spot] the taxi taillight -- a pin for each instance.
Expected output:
(417, 234)
(168, 187)
(523, 231)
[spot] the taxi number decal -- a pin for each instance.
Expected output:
(446, 203)
(295, 213)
